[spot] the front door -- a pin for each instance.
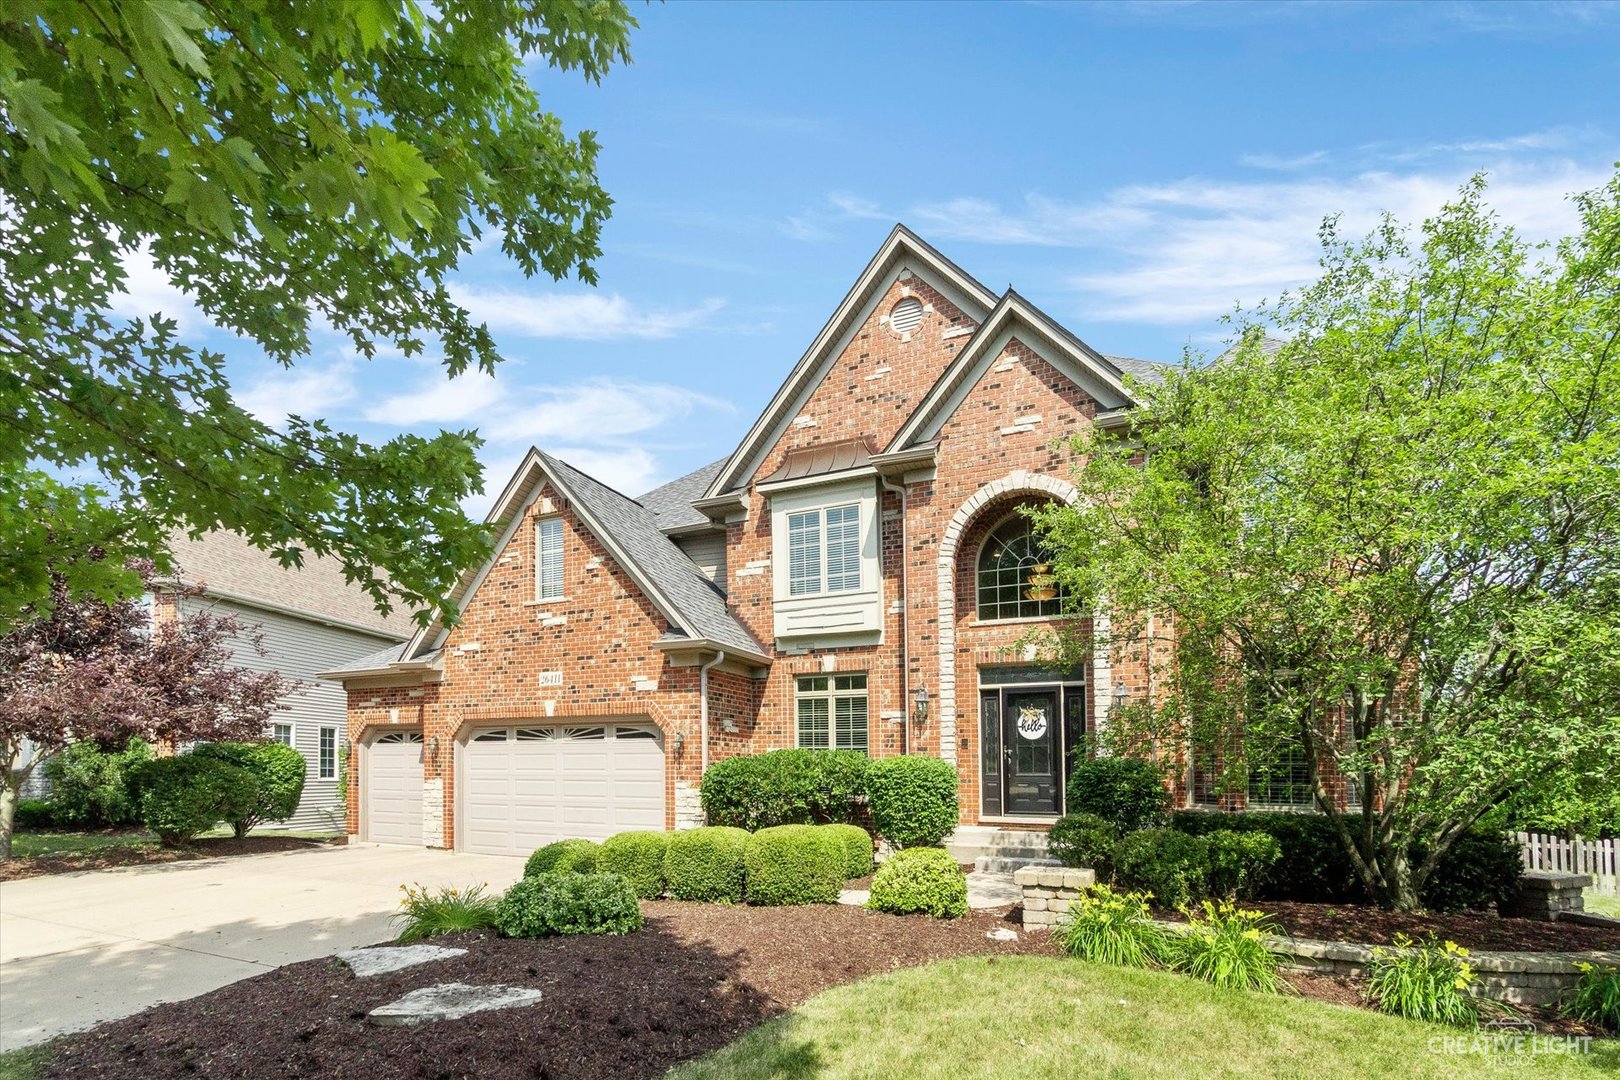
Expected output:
(1032, 756)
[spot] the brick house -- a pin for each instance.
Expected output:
(855, 574)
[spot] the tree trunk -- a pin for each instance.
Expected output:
(9, 792)
(1401, 891)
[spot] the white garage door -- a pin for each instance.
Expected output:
(524, 787)
(393, 790)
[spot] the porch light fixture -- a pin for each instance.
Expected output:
(433, 746)
(680, 741)
(1121, 692)
(919, 709)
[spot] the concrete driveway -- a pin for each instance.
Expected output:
(77, 949)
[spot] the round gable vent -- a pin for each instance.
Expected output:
(906, 316)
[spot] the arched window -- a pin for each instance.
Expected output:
(1014, 578)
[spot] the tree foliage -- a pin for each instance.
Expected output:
(100, 672)
(284, 164)
(1393, 539)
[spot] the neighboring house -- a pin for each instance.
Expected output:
(855, 574)
(310, 620)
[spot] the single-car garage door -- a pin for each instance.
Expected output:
(393, 789)
(523, 787)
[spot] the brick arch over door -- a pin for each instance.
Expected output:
(996, 491)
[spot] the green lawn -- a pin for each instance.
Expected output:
(1603, 905)
(24, 1064)
(1038, 1018)
(28, 845)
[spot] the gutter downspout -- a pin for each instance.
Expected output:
(703, 710)
(905, 620)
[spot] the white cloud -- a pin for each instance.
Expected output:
(309, 392)
(580, 316)
(596, 411)
(438, 400)
(148, 291)
(630, 470)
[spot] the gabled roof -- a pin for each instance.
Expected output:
(902, 248)
(231, 568)
(671, 504)
(694, 605)
(1101, 376)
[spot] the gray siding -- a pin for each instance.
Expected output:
(298, 648)
(708, 550)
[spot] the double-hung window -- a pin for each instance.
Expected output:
(328, 753)
(824, 550)
(831, 712)
(548, 559)
(282, 733)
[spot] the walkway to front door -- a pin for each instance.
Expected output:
(1030, 718)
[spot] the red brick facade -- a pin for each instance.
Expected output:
(996, 450)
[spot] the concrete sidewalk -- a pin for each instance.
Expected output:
(77, 949)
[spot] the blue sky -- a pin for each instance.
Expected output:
(1135, 169)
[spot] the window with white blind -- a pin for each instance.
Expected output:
(831, 712)
(548, 559)
(824, 550)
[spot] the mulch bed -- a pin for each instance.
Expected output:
(148, 853)
(1473, 930)
(695, 978)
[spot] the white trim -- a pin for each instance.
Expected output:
(1020, 480)
(901, 252)
(321, 729)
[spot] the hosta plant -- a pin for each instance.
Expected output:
(1226, 945)
(426, 912)
(1106, 927)
(1427, 980)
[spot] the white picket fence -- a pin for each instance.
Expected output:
(1595, 857)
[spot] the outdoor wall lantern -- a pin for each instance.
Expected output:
(919, 709)
(433, 746)
(1121, 692)
(680, 741)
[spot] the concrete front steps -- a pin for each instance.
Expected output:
(995, 850)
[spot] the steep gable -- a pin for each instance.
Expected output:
(854, 405)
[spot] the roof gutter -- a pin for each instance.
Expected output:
(905, 618)
(703, 712)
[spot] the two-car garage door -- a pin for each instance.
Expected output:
(522, 787)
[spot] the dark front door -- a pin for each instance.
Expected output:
(1032, 757)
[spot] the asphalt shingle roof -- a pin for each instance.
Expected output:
(700, 606)
(1151, 370)
(226, 562)
(671, 504)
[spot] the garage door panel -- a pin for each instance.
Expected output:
(526, 787)
(393, 791)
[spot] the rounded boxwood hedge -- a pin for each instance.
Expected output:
(563, 856)
(279, 770)
(913, 799)
(1170, 866)
(1084, 840)
(639, 858)
(793, 864)
(707, 864)
(1127, 792)
(785, 787)
(856, 844)
(920, 881)
(186, 795)
(565, 903)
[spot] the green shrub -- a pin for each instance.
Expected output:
(1084, 840)
(1124, 791)
(793, 864)
(1239, 862)
(1106, 927)
(785, 787)
(1225, 945)
(90, 786)
(1424, 981)
(1482, 868)
(639, 858)
(279, 770)
(34, 814)
(856, 843)
(563, 857)
(565, 903)
(920, 881)
(186, 795)
(706, 864)
(426, 913)
(913, 799)
(1170, 866)
(1595, 997)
